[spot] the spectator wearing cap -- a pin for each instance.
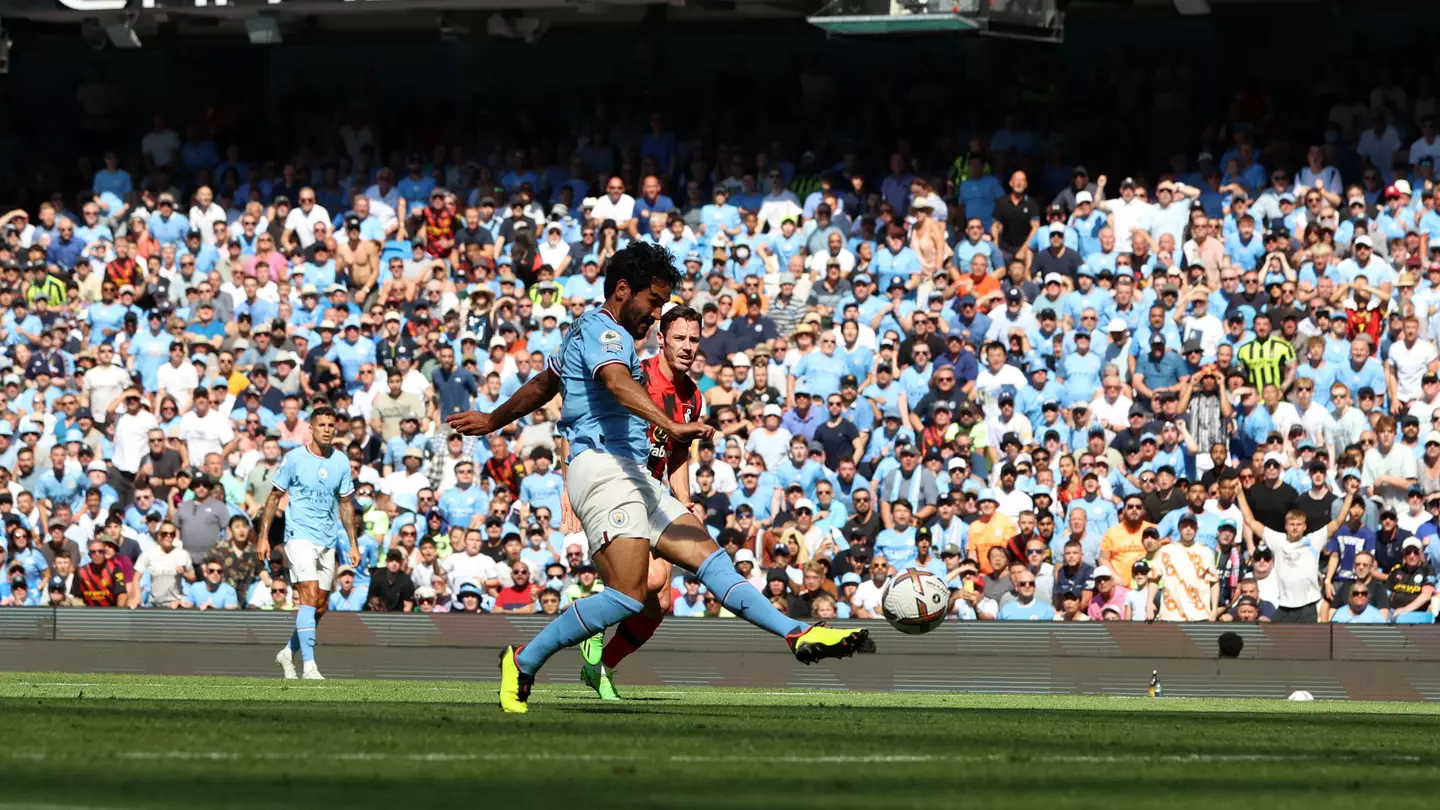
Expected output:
(750, 499)
(1412, 586)
(391, 585)
(989, 529)
(202, 521)
(719, 219)
(1159, 370)
(544, 486)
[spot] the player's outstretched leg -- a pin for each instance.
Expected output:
(686, 544)
(623, 566)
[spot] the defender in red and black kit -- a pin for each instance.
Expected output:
(666, 377)
(679, 397)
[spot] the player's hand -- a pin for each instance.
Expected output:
(354, 554)
(471, 423)
(691, 431)
(697, 510)
(262, 549)
(569, 521)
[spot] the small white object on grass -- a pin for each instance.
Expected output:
(1301, 694)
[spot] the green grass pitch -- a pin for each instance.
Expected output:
(96, 741)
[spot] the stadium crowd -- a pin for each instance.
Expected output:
(1209, 394)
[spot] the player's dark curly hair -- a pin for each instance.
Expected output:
(678, 313)
(640, 264)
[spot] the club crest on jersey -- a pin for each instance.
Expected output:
(609, 336)
(323, 473)
(619, 519)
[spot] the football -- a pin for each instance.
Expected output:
(915, 601)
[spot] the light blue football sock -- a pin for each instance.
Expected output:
(720, 577)
(583, 619)
(305, 632)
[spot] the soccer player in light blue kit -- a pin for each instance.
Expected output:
(606, 416)
(316, 478)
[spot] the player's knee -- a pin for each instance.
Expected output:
(662, 599)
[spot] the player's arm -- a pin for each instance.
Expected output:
(635, 399)
(267, 517)
(347, 519)
(540, 389)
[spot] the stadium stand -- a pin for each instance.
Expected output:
(996, 344)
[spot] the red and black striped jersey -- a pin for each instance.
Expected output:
(679, 399)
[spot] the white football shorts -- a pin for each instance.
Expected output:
(310, 562)
(618, 497)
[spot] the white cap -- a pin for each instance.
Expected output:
(1084, 197)
(589, 202)
(744, 555)
(1412, 542)
(1103, 571)
(1432, 436)
(1117, 325)
(422, 592)
(1056, 227)
(740, 360)
(772, 410)
(1278, 458)
(497, 341)
(1364, 239)
(804, 503)
(955, 463)
(1403, 186)
(97, 466)
(1055, 277)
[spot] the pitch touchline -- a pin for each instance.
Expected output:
(228, 756)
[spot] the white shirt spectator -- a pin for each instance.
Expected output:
(166, 582)
(132, 439)
(390, 199)
(401, 482)
(105, 384)
(1423, 148)
(868, 597)
(463, 568)
(618, 210)
(177, 381)
(1379, 148)
(161, 146)
(203, 219)
(725, 482)
(1398, 463)
(1105, 413)
(817, 263)
(778, 206)
(1410, 364)
(1208, 329)
(1297, 568)
(205, 434)
(1285, 417)
(1126, 218)
(303, 224)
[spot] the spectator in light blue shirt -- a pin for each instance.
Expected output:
(1357, 609)
(211, 591)
(347, 597)
(1025, 606)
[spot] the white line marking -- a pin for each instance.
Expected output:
(1081, 759)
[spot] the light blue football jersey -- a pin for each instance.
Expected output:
(315, 486)
(591, 418)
